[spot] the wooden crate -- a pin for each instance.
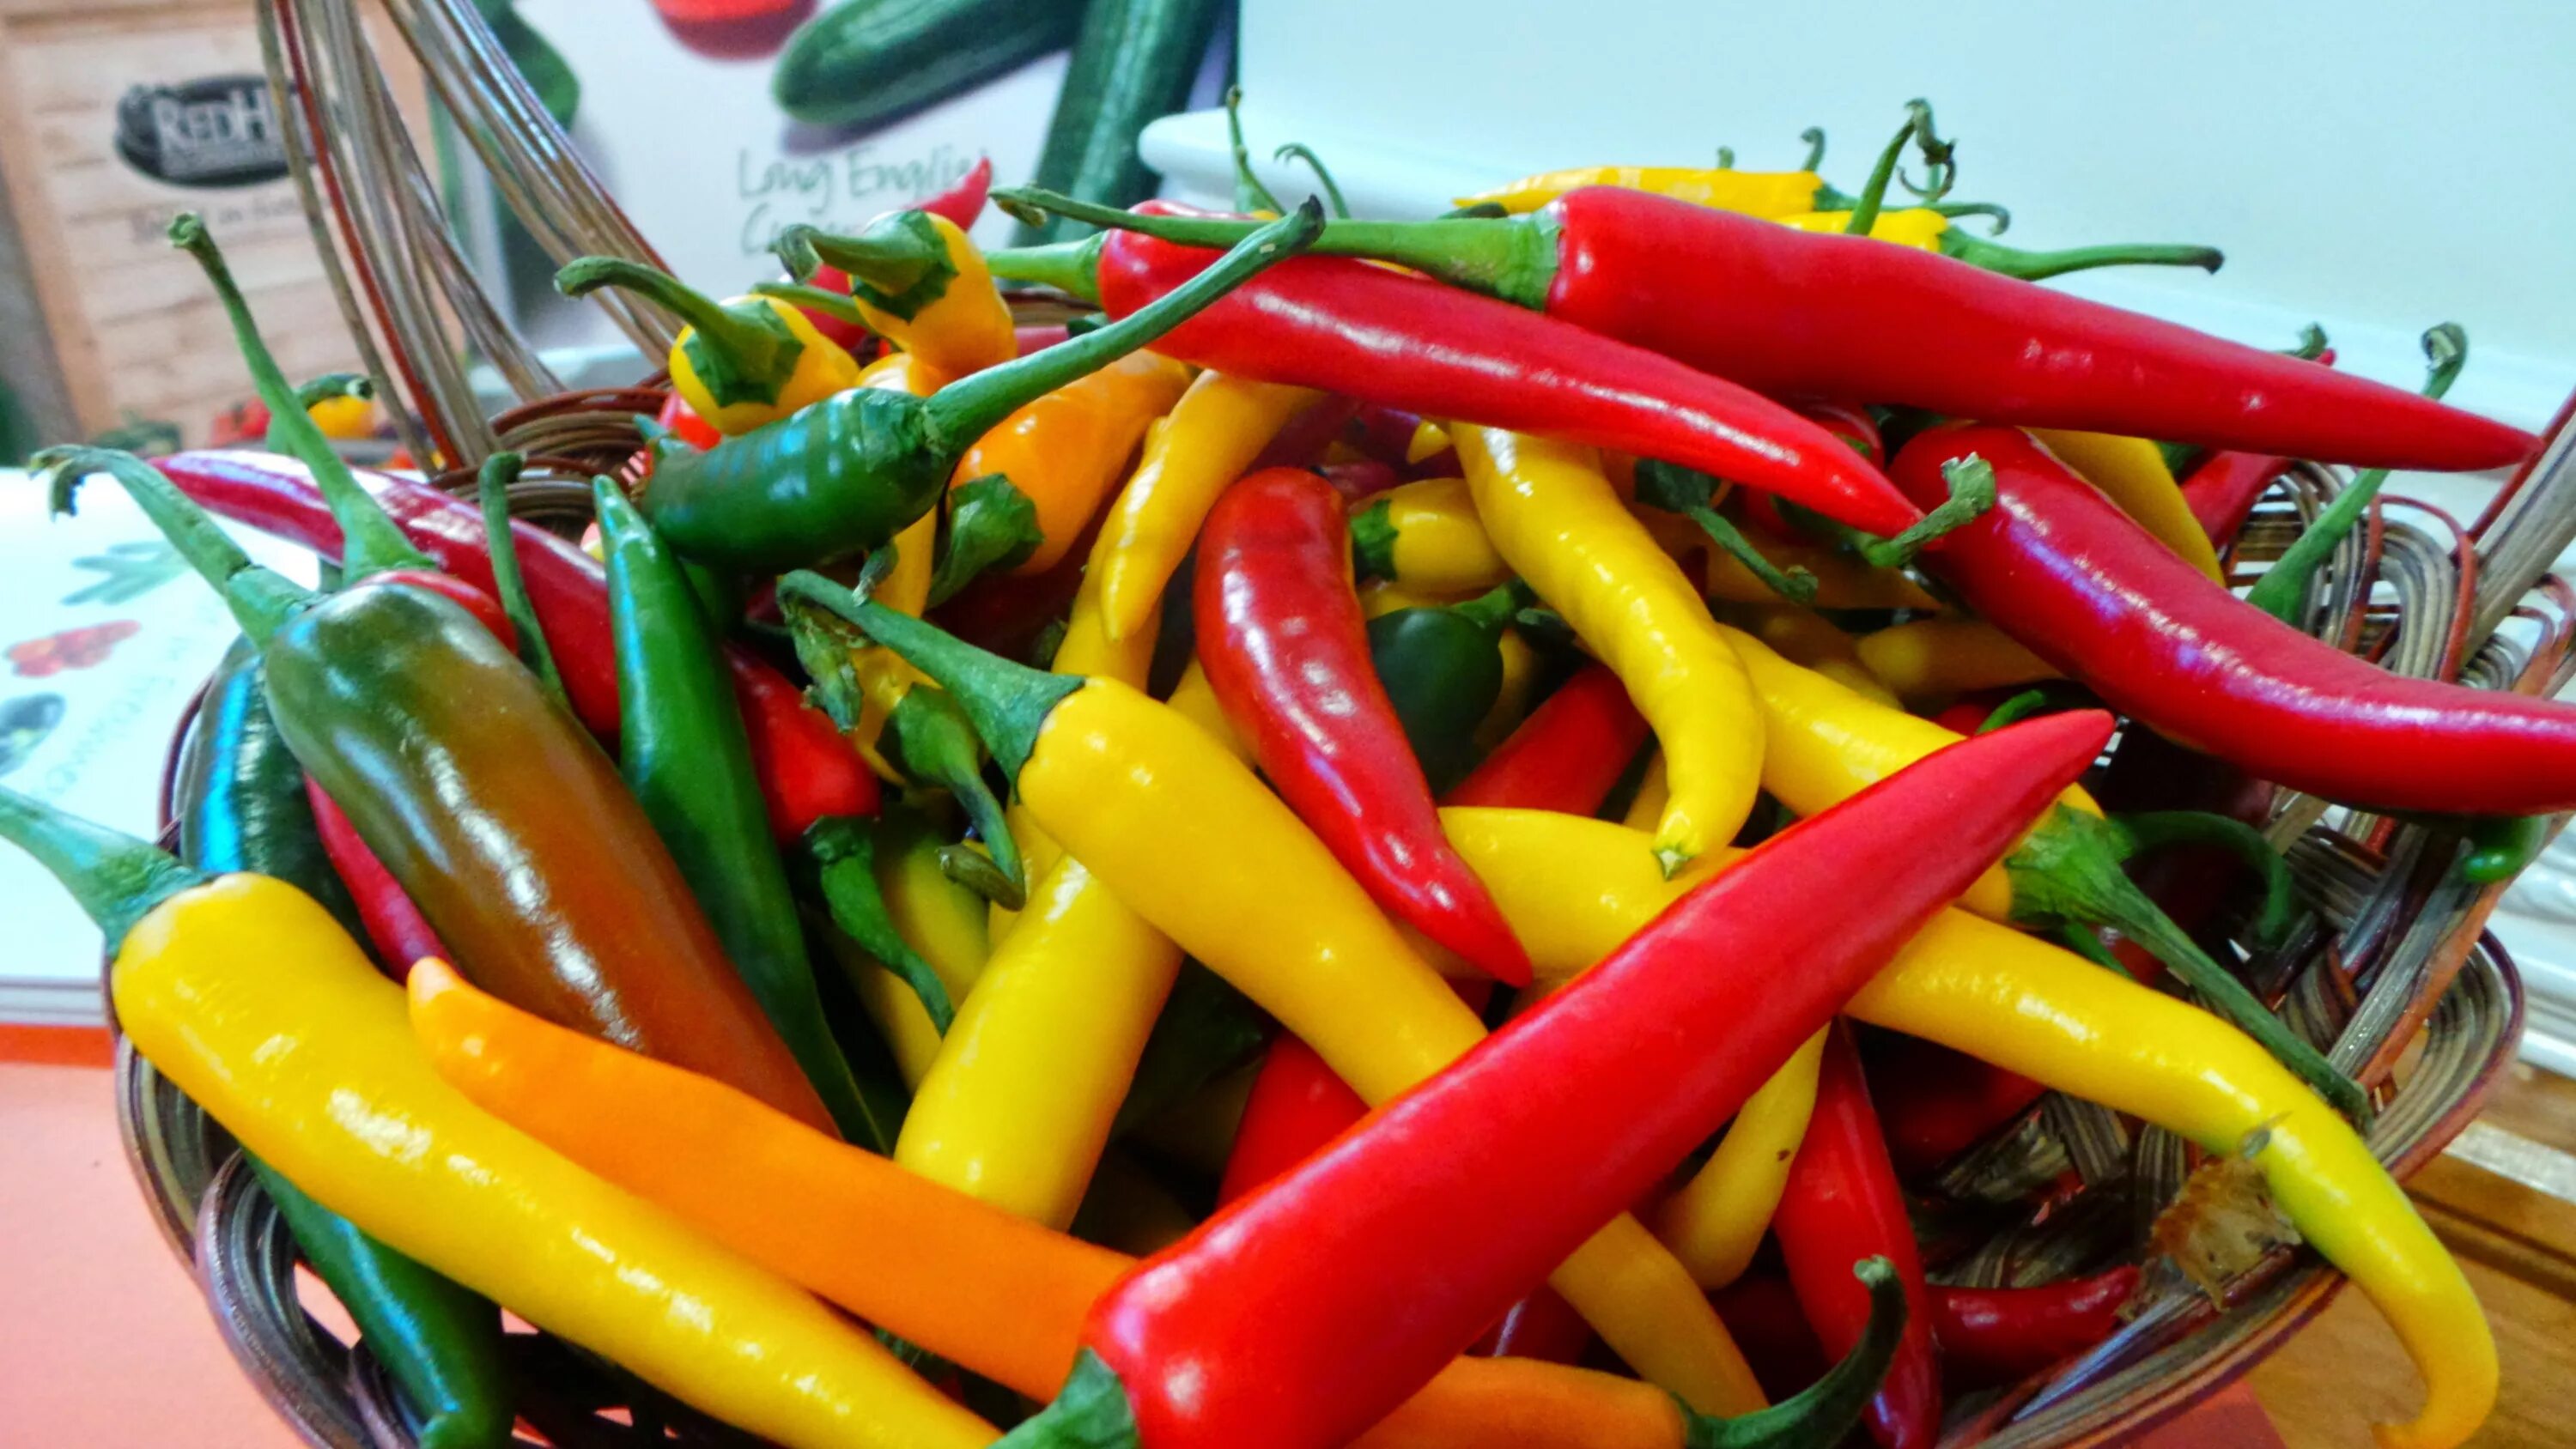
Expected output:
(116, 115)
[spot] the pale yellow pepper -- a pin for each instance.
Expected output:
(1929, 660)
(1573, 890)
(1717, 1219)
(1213, 434)
(254, 1002)
(1555, 518)
(1425, 536)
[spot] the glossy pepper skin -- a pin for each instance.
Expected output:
(844, 475)
(1927, 230)
(738, 364)
(1841, 1202)
(1999, 1335)
(1258, 1330)
(1443, 667)
(917, 281)
(1554, 516)
(1576, 889)
(240, 798)
(255, 1003)
(1166, 815)
(1065, 450)
(394, 926)
(1715, 1222)
(1775, 194)
(806, 771)
(2071, 578)
(1425, 535)
(1409, 343)
(1792, 314)
(967, 1281)
(2132, 473)
(1283, 643)
(1567, 756)
(684, 756)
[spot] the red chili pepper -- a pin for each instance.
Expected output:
(1270, 1326)
(1296, 1106)
(1361, 480)
(1038, 339)
(1992, 1336)
(1408, 342)
(1308, 435)
(2064, 571)
(1567, 756)
(807, 771)
(1791, 313)
(1842, 1204)
(1541, 1326)
(395, 926)
(2223, 490)
(1848, 421)
(1285, 647)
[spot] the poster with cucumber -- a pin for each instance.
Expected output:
(716, 123)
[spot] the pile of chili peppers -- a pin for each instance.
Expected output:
(1424, 834)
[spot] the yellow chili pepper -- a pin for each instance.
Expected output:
(1928, 660)
(941, 920)
(1214, 432)
(252, 1000)
(948, 314)
(1573, 891)
(1512, 701)
(1425, 536)
(1717, 1219)
(1806, 639)
(1653, 792)
(883, 677)
(1754, 193)
(1556, 520)
(2132, 473)
(740, 363)
(1914, 226)
(1429, 440)
(344, 417)
(1188, 837)
(1065, 449)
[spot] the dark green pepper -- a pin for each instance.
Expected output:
(1442, 666)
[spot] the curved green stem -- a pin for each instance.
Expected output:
(2282, 591)
(2312, 343)
(1007, 703)
(2033, 266)
(991, 524)
(1972, 493)
(261, 600)
(1725, 158)
(1687, 491)
(1826, 1411)
(831, 304)
(1940, 158)
(1814, 136)
(2014, 710)
(1996, 211)
(371, 542)
(2159, 829)
(965, 410)
(1249, 193)
(740, 354)
(117, 879)
(898, 263)
(2068, 870)
(934, 741)
(1511, 257)
(329, 385)
(492, 491)
(844, 853)
(1072, 268)
(1300, 151)
(1373, 536)
(1873, 192)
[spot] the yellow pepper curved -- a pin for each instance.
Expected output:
(966, 328)
(1555, 518)
(1425, 536)
(1805, 638)
(1715, 1221)
(1927, 660)
(251, 999)
(2132, 473)
(1573, 890)
(1754, 193)
(1214, 432)
(1520, 684)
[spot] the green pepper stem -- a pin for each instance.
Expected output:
(1072, 268)
(1007, 703)
(1814, 136)
(492, 492)
(991, 524)
(2069, 870)
(1827, 1410)
(2014, 710)
(1373, 541)
(745, 345)
(813, 299)
(844, 855)
(965, 410)
(2282, 591)
(1091, 1411)
(1511, 257)
(1249, 193)
(1300, 151)
(1497, 606)
(1972, 493)
(371, 542)
(261, 599)
(1873, 192)
(2312, 343)
(117, 879)
(1687, 491)
(329, 385)
(937, 743)
(899, 262)
(2034, 266)
(2159, 829)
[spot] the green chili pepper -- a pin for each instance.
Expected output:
(1442, 665)
(846, 474)
(243, 808)
(683, 751)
